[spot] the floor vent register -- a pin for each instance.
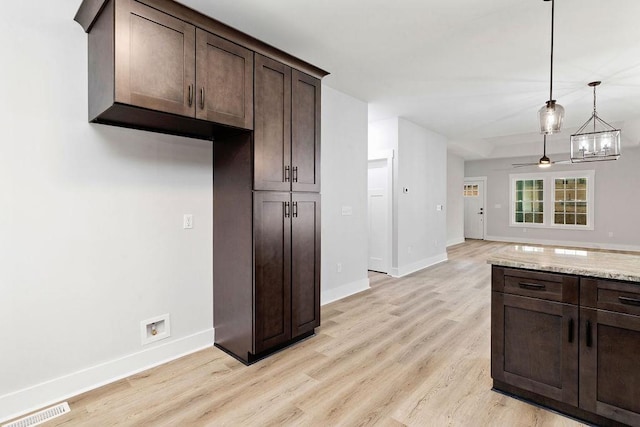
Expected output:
(41, 417)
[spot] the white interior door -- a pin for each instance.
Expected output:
(474, 209)
(379, 216)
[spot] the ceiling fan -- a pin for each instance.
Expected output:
(544, 161)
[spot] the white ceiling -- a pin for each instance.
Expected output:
(474, 71)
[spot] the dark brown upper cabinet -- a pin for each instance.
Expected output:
(305, 132)
(287, 128)
(154, 62)
(224, 81)
(152, 70)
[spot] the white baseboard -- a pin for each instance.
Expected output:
(417, 266)
(50, 392)
(331, 295)
(574, 244)
(455, 241)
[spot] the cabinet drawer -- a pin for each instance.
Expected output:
(621, 297)
(547, 286)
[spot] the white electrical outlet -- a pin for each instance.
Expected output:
(188, 221)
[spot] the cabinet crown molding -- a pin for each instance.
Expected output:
(90, 10)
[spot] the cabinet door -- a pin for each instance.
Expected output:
(305, 264)
(305, 132)
(155, 59)
(609, 356)
(272, 157)
(535, 346)
(272, 246)
(224, 84)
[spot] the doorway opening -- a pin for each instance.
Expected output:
(380, 189)
(475, 215)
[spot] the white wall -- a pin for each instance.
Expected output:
(422, 169)
(455, 199)
(616, 202)
(420, 165)
(344, 183)
(91, 237)
(383, 136)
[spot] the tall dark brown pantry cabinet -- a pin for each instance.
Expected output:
(280, 303)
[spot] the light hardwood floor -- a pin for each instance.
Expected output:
(413, 351)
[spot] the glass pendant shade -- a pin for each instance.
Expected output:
(551, 116)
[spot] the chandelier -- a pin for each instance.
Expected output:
(597, 143)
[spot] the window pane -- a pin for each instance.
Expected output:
(540, 195)
(519, 217)
(538, 207)
(581, 207)
(559, 184)
(570, 219)
(519, 195)
(519, 185)
(528, 184)
(570, 207)
(527, 207)
(538, 218)
(581, 219)
(558, 206)
(570, 194)
(581, 195)
(538, 184)
(528, 217)
(558, 219)
(518, 206)
(559, 194)
(571, 183)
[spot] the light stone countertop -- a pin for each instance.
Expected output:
(582, 262)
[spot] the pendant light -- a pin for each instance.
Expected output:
(551, 114)
(601, 144)
(544, 161)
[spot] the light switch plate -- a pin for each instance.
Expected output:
(188, 221)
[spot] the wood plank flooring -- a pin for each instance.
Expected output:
(408, 352)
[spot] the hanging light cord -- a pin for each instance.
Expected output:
(596, 119)
(595, 115)
(551, 78)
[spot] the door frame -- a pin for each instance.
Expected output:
(387, 155)
(468, 179)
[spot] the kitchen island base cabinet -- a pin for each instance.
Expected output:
(535, 346)
(575, 348)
